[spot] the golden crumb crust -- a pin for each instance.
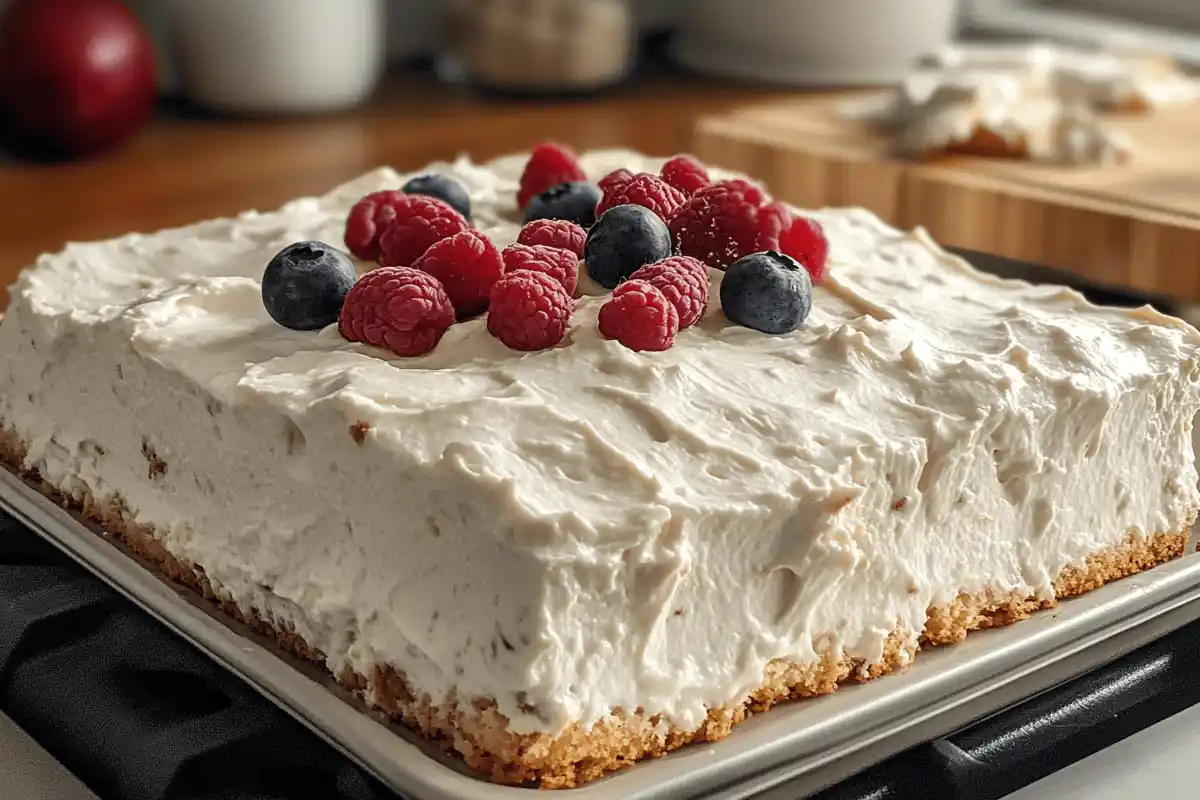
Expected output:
(479, 735)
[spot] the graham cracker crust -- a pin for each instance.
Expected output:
(479, 736)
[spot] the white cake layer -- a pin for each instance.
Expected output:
(587, 527)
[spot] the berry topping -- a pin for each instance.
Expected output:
(618, 177)
(751, 191)
(773, 220)
(561, 265)
(444, 188)
(683, 281)
(644, 190)
(529, 311)
(804, 240)
(554, 233)
(622, 240)
(304, 285)
(574, 201)
(399, 308)
(368, 218)
(467, 265)
(769, 292)
(549, 164)
(419, 222)
(640, 317)
(722, 222)
(685, 173)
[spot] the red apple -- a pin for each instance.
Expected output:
(76, 76)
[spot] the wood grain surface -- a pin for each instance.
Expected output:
(1133, 226)
(186, 168)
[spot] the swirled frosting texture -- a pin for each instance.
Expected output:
(584, 528)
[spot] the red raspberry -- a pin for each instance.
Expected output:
(560, 233)
(614, 179)
(773, 220)
(420, 221)
(549, 164)
(685, 173)
(804, 240)
(368, 218)
(723, 222)
(640, 317)
(751, 191)
(562, 265)
(799, 237)
(683, 281)
(467, 265)
(643, 190)
(400, 308)
(529, 311)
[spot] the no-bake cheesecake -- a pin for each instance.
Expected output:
(565, 558)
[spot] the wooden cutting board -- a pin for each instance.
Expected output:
(1133, 226)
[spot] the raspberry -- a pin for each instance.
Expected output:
(467, 265)
(804, 240)
(751, 191)
(683, 281)
(559, 233)
(685, 173)
(640, 317)
(549, 164)
(644, 190)
(614, 179)
(420, 221)
(723, 222)
(529, 311)
(400, 308)
(369, 217)
(561, 265)
(799, 237)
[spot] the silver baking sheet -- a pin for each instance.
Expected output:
(808, 745)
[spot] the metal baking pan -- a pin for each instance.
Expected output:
(801, 746)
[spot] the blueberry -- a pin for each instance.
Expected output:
(767, 291)
(305, 283)
(623, 239)
(444, 188)
(574, 201)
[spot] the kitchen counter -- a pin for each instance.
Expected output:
(186, 166)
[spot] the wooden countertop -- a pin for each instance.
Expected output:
(184, 168)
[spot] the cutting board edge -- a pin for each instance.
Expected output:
(1104, 242)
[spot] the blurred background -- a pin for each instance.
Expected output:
(124, 115)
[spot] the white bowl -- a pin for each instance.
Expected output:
(810, 42)
(266, 56)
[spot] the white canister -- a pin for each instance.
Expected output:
(812, 42)
(279, 56)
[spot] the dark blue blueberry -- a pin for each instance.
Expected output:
(305, 283)
(574, 201)
(622, 240)
(444, 188)
(767, 291)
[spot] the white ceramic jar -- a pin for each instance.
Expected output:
(279, 56)
(812, 42)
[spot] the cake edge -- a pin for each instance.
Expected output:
(479, 737)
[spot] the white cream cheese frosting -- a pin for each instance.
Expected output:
(584, 528)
